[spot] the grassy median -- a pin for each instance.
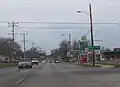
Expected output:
(7, 65)
(89, 65)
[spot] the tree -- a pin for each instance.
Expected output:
(34, 53)
(75, 45)
(108, 49)
(54, 53)
(62, 50)
(75, 48)
(6, 47)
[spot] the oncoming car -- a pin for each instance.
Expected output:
(35, 61)
(25, 63)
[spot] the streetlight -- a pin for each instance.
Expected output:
(69, 38)
(91, 29)
(69, 35)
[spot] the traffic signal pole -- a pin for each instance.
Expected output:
(91, 29)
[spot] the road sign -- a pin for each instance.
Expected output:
(94, 47)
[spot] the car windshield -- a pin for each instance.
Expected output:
(59, 43)
(34, 59)
(25, 60)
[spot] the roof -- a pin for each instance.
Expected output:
(113, 53)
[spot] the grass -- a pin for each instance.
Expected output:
(7, 65)
(105, 64)
(89, 65)
(117, 66)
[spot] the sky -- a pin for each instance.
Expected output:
(104, 11)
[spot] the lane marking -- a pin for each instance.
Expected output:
(20, 81)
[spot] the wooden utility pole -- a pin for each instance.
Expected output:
(13, 24)
(91, 29)
(24, 42)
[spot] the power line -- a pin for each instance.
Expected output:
(37, 22)
(54, 28)
(67, 23)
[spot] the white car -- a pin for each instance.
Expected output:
(102, 59)
(35, 61)
(57, 61)
(25, 63)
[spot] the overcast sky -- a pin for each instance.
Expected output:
(61, 11)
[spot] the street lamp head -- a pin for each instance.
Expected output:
(62, 34)
(79, 11)
(83, 12)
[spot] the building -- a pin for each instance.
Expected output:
(110, 55)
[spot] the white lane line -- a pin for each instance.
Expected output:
(20, 81)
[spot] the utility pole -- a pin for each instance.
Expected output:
(91, 29)
(24, 42)
(69, 43)
(70, 46)
(33, 44)
(13, 38)
(13, 24)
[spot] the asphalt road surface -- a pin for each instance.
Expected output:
(60, 75)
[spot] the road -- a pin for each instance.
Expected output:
(60, 75)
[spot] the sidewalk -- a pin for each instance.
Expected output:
(91, 65)
(106, 66)
(97, 65)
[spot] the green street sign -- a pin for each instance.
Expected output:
(94, 47)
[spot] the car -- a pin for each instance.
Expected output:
(51, 62)
(25, 63)
(102, 59)
(35, 61)
(3, 61)
(57, 61)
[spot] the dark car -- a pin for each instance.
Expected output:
(50, 61)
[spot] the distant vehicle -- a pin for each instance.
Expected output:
(35, 61)
(50, 61)
(3, 61)
(57, 61)
(25, 63)
(102, 59)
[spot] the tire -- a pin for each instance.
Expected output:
(30, 66)
(19, 67)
